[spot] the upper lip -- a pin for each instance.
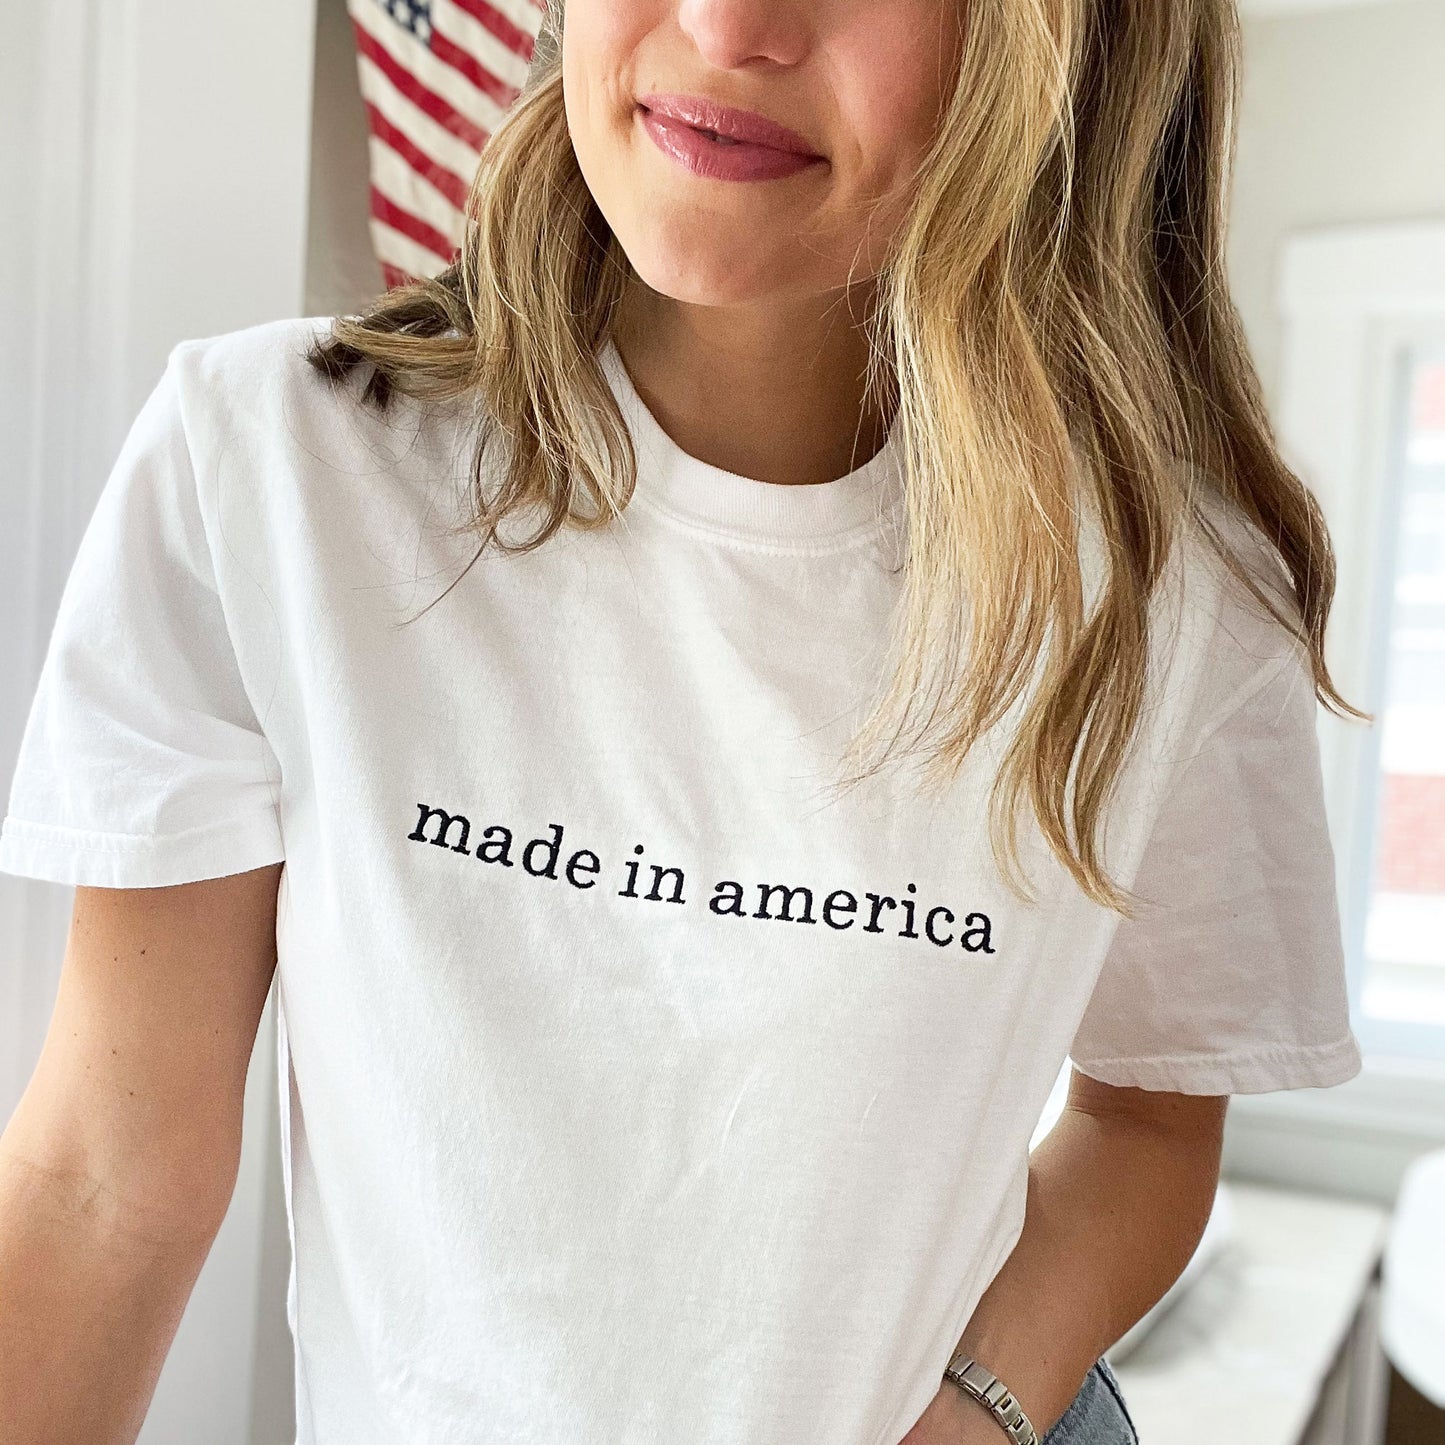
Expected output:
(741, 125)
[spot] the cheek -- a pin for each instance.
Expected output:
(892, 74)
(599, 40)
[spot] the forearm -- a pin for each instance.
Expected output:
(1115, 1209)
(90, 1298)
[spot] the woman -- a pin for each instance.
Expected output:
(829, 387)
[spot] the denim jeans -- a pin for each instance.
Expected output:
(1097, 1416)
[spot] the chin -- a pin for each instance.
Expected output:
(688, 267)
(693, 289)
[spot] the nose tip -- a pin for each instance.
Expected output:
(737, 33)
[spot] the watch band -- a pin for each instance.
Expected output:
(991, 1392)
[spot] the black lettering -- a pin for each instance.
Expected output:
(657, 874)
(879, 902)
(419, 834)
(733, 899)
(551, 847)
(928, 927)
(765, 889)
(829, 906)
(907, 931)
(497, 850)
(631, 890)
(982, 931)
(574, 862)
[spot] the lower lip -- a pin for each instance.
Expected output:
(717, 160)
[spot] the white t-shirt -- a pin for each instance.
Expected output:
(634, 1090)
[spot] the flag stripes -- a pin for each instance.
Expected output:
(437, 78)
(394, 163)
(446, 149)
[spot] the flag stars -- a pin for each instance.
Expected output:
(412, 15)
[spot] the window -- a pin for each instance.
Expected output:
(1361, 417)
(1400, 922)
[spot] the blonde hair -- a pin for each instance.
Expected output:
(1055, 328)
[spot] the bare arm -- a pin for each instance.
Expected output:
(1119, 1192)
(119, 1162)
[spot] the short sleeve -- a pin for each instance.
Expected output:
(142, 763)
(1231, 977)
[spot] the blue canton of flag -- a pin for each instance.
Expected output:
(414, 14)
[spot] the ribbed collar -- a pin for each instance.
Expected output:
(679, 487)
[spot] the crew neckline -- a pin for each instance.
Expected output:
(684, 489)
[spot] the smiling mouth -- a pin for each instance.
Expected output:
(735, 128)
(712, 135)
(758, 151)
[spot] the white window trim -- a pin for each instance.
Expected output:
(1349, 299)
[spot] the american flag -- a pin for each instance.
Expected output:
(437, 77)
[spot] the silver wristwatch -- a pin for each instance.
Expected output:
(993, 1395)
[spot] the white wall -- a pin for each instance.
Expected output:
(27, 971)
(1343, 121)
(157, 190)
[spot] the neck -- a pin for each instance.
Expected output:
(775, 395)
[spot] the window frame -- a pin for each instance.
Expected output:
(1349, 299)
(1408, 347)
(1357, 305)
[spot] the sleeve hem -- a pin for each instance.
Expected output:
(1260, 1071)
(95, 859)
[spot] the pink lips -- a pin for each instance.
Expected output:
(722, 143)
